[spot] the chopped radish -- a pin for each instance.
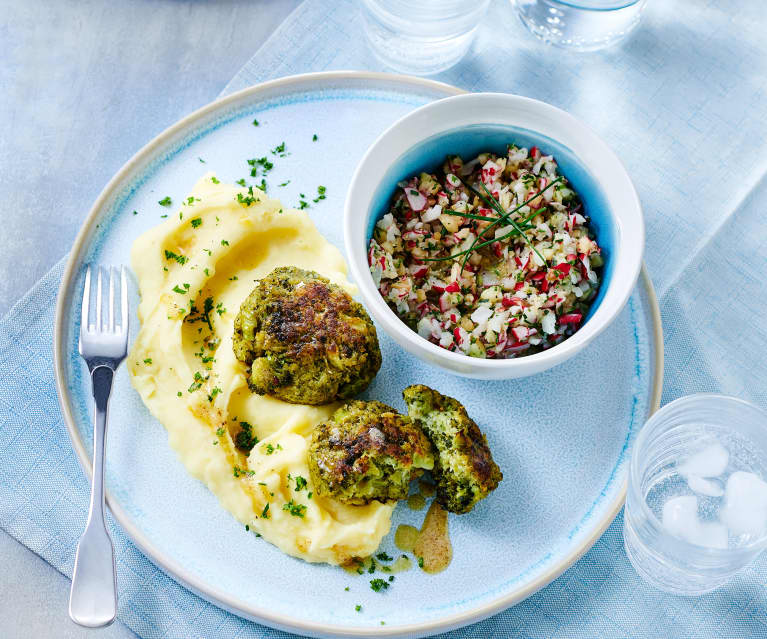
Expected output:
(415, 199)
(453, 287)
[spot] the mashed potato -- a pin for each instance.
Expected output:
(193, 273)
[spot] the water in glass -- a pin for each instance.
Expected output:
(582, 25)
(421, 37)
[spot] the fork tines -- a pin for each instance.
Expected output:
(99, 327)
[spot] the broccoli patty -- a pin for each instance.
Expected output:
(305, 340)
(464, 468)
(367, 451)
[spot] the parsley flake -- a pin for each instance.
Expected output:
(181, 259)
(245, 440)
(166, 201)
(378, 585)
(297, 510)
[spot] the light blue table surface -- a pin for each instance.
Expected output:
(85, 84)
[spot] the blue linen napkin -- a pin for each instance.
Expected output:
(683, 105)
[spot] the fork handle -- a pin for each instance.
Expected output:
(102, 377)
(93, 597)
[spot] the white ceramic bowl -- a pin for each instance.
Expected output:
(466, 125)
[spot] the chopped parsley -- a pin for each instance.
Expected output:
(224, 243)
(320, 194)
(191, 200)
(166, 201)
(358, 608)
(255, 122)
(270, 449)
(197, 383)
(213, 394)
(179, 394)
(420, 562)
(214, 179)
(378, 585)
(135, 212)
(196, 221)
(245, 439)
(181, 259)
(220, 431)
(302, 204)
(280, 150)
(265, 512)
(314, 138)
(241, 182)
(300, 481)
(196, 316)
(201, 160)
(382, 556)
(179, 290)
(263, 162)
(284, 183)
(346, 589)
(297, 510)
(247, 200)
(242, 472)
(148, 360)
(247, 528)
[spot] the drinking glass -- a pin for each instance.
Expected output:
(696, 507)
(421, 37)
(582, 25)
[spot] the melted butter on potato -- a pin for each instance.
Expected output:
(215, 251)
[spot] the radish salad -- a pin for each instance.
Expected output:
(491, 258)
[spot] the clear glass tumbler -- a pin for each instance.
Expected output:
(582, 25)
(421, 37)
(696, 508)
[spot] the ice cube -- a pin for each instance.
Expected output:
(745, 506)
(709, 487)
(680, 518)
(680, 514)
(711, 534)
(709, 462)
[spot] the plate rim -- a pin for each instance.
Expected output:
(173, 568)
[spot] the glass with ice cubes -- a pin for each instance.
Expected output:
(696, 507)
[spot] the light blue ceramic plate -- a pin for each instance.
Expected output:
(562, 438)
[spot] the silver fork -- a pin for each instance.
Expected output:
(93, 597)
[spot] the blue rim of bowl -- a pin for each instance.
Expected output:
(67, 291)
